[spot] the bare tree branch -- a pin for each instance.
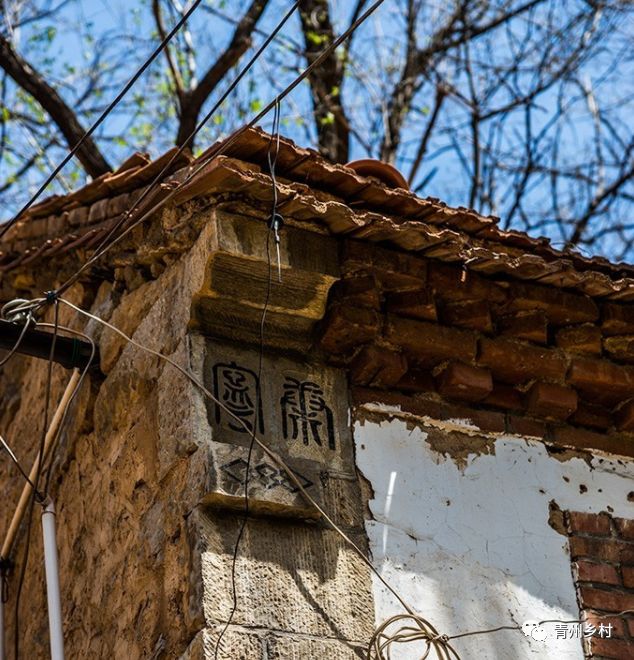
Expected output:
(240, 42)
(34, 84)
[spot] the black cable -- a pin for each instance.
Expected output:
(25, 557)
(100, 249)
(226, 144)
(271, 229)
(103, 115)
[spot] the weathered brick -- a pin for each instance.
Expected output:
(584, 339)
(461, 381)
(597, 524)
(617, 319)
(78, 216)
(561, 307)
(455, 283)
(361, 291)
(611, 648)
(347, 327)
(579, 438)
(624, 416)
(98, 211)
(628, 577)
(417, 304)
(118, 205)
(377, 367)
(610, 601)
(513, 362)
(620, 348)
(602, 381)
(416, 380)
(530, 325)
(485, 420)
(594, 416)
(394, 270)
(598, 573)
(473, 314)
(429, 343)
(598, 548)
(618, 625)
(625, 528)
(525, 427)
(504, 396)
(554, 401)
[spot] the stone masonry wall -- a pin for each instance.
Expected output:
(145, 546)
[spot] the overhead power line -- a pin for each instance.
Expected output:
(221, 148)
(102, 117)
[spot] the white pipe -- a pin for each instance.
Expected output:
(52, 581)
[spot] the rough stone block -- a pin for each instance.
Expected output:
(236, 644)
(291, 647)
(297, 410)
(554, 401)
(282, 572)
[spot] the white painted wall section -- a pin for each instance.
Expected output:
(469, 545)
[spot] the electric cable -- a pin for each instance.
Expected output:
(227, 143)
(16, 346)
(159, 177)
(126, 88)
(25, 556)
(427, 634)
(272, 227)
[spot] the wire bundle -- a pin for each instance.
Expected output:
(413, 629)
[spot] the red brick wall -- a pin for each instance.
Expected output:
(602, 551)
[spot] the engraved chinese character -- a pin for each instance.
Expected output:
(239, 390)
(305, 413)
(605, 630)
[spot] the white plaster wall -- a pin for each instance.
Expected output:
(470, 547)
